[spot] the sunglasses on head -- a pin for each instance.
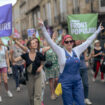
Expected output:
(71, 41)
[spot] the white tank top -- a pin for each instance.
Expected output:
(3, 62)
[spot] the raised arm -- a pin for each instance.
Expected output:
(24, 48)
(45, 49)
(81, 48)
(57, 49)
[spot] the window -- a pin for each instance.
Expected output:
(44, 12)
(55, 8)
(87, 1)
(63, 9)
(38, 13)
(102, 5)
(48, 10)
(63, 6)
(35, 19)
(76, 5)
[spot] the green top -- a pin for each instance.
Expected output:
(51, 56)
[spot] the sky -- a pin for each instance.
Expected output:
(3, 2)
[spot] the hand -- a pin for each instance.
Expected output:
(102, 28)
(34, 35)
(63, 33)
(90, 56)
(12, 37)
(40, 22)
(40, 68)
(100, 53)
(9, 69)
(54, 35)
(87, 64)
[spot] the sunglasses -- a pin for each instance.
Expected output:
(67, 42)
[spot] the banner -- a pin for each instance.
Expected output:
(6, 20)
(81, 26)
(37, 35)
(5, 40)
(30, 32)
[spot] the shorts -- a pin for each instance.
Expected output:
(3, 70)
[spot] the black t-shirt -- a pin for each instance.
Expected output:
(97, 58)
(36, 63)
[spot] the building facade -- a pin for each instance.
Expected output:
(16, 17)
(54, 12)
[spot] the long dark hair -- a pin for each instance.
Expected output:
(29, 43)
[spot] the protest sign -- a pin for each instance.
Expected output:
(5, 20)
(81, 26)
(30, 32)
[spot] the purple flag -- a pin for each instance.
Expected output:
(6, 20)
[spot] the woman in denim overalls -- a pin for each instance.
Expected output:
(69, 62)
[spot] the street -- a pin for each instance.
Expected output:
(96, 94)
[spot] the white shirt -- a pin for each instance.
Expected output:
(3, 62)
(60, 51)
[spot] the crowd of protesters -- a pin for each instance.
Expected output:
(65, 62)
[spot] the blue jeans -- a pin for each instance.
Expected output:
(84, 76)
(17, 72)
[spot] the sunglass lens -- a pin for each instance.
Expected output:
(71, 41)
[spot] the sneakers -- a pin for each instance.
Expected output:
(0, 99)
(92, 72)
(94, 79)
(102, 80)
(87, 101)
(53, 97)
(47, 82)
(9, 94)
(18, 89)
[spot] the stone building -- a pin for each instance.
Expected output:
(54, 12)
(23, 18)
(16, 17)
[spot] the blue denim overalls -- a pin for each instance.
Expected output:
(70, 79)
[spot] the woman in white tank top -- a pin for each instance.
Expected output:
(4, 66)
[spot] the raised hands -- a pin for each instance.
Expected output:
(40, 22)
(12, 37)
(102, 28)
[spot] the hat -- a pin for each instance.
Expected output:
(65, 37)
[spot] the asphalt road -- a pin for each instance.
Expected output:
(96, 94)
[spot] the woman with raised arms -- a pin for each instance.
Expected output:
(68, 58)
